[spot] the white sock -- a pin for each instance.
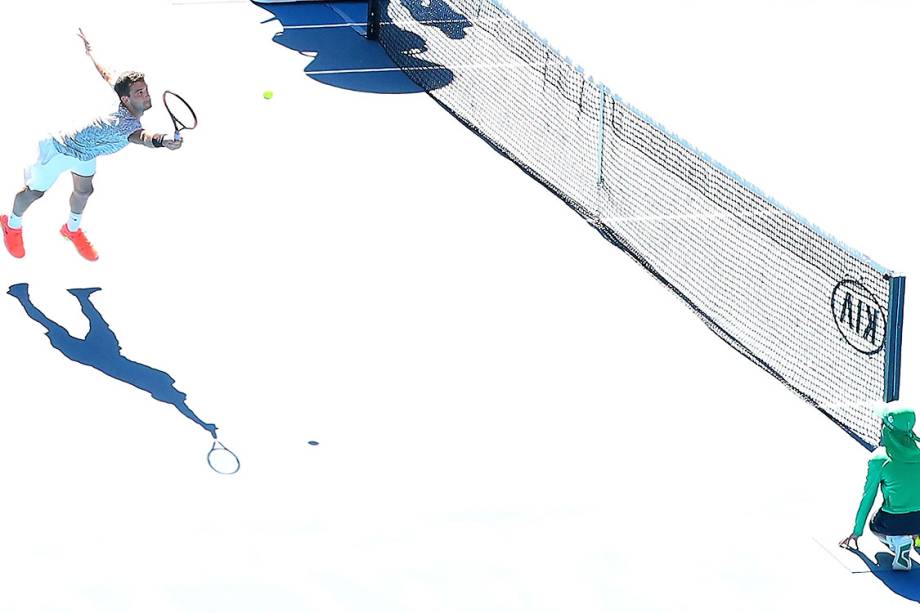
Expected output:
(15, 221)
(73, 223)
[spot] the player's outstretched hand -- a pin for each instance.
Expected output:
(845, 543)
(88, 47)
(172, 144)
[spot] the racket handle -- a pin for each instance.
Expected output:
(177, 137)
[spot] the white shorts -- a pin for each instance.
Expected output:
(41, 175)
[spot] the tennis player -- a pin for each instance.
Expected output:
(77, 151)
(895, 467)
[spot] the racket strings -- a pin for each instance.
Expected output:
(180, 111)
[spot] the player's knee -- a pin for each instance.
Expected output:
(84, 190)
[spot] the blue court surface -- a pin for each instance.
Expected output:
(511, 415)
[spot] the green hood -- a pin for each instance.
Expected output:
(898, 436)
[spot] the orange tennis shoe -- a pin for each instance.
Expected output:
(84, 247)
(12, 239)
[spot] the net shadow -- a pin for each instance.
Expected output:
(344, 58)
(438, 14)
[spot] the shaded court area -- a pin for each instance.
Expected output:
(333, 35)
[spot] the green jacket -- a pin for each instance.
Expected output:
(900, 484)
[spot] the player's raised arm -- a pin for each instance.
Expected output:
(106, 74)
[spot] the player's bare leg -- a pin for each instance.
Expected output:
(24, 200)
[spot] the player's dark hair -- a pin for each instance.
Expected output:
(125, 80)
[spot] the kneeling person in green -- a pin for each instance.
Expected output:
(895, 468)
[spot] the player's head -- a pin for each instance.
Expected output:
(898, 436)
(131, 89)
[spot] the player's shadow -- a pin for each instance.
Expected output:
(904, 584)
(343, 57)
(100, 349)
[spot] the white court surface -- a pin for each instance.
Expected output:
(512, 415)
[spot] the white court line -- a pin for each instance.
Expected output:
(364, 23)
(342, 14)
(351, 71)
(836, 559)
(431, 22)
(318, 26)
(416, 68)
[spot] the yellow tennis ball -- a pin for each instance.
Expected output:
(267, 94)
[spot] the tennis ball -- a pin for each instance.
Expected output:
(267, 94)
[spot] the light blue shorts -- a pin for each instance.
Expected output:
(41, 175)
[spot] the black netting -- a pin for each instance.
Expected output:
(771, 285)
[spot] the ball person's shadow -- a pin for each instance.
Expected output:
(904, 584)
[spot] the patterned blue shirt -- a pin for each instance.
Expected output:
(103, 136)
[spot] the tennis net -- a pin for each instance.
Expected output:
(817, 315)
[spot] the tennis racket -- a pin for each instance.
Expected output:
(181, 113)
(222, 460)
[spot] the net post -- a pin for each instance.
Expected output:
(893, 338)
(373, 19)
(602, 96)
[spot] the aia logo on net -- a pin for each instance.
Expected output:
(859, 317)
